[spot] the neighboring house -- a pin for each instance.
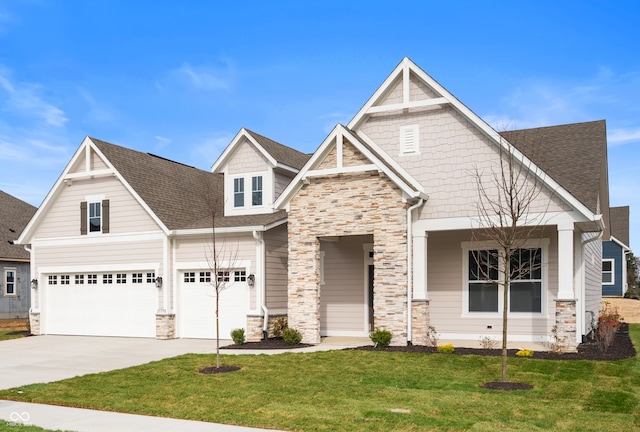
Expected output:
(614, 254)
(14, 259)
(374, 230)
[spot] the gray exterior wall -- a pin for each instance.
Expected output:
(16, 306)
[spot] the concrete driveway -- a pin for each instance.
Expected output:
(40, 359)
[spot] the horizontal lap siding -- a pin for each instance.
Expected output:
(593, 280)
(342, 297)
(101, 254)
(126, 214)
(446, 281)
(276, 263)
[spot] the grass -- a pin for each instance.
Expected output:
(358, 390)
(10, 334)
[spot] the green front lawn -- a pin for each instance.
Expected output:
(11, 334)
(357, 390)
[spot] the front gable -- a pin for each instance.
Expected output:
(90, 190)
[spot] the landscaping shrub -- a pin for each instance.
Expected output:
(279, 325)
(487, 342)
(238, 336)
(291, 336)
(524, 353)
(446, 348)
(608, 323)
(432, 337)
(381, 338)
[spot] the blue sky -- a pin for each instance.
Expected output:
(179, 79)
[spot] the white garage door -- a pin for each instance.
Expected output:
(198, 304)
(96, 304)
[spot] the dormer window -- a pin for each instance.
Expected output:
(238, 192)
(256, 190)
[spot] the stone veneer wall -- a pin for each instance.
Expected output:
(566, 325)
(420, 322)
(344, 205)
(165, 326)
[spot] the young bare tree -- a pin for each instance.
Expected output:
(506, 195)
(220, 255)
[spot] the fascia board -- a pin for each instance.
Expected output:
(622, 245)
(27, 233)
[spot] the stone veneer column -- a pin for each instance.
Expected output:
(34, 322)
(420, 322)
(304, 286)
(165, 326)
(566, 325)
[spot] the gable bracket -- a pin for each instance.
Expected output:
(407, 105)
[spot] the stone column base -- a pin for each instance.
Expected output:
(420, 322)
(566, 326)
(165, 326)
(34, 322)
(255, 326)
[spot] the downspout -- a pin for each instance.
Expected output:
(263, 278)
(32, 297)
(410, 267)
(583, 287)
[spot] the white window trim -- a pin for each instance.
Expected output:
(267, 193)
(15, 281)
(530, 244)
(94, 199)
(613, 271)
(414, 130)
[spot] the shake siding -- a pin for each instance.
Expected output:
(100, 254)
(342, 297)
(246, 159)
(394, 93)
(593, 279)
(450, 150)
(276, 263)
(445, 290)
(126, 214)
(418, 90)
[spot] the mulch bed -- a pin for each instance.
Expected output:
(621, 348)
(218, 370)
(268, 344)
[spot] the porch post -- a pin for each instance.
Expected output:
(420, 320)
(565, 322)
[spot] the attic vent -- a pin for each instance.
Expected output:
(409, 139)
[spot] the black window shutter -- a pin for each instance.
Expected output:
(105, 216)
(83, 218)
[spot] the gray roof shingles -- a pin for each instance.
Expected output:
(280, 152)
(14, 217)
(619, 221)
(571, 154)
(178, 194)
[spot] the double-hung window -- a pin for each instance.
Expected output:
(483, 280)
(525, 292)
(256, 190)
(607, 272)
(238, 192)
(95, 216)
(10, 282)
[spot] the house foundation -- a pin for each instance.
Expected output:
(34, 322)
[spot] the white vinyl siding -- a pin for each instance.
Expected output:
(276, 263)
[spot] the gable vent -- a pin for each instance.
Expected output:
(409, 139)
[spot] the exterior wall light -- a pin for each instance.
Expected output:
(34, 283)
(159, 282)
(251, 280)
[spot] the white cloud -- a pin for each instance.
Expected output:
(623, 136)
(202, 77)
(96, 112)
(206, 150)
(162, 140)
(24, 99)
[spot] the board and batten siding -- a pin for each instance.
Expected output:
(276, 262)
(246, 159)
(126, 214)
(446, 291)
(342, 296)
